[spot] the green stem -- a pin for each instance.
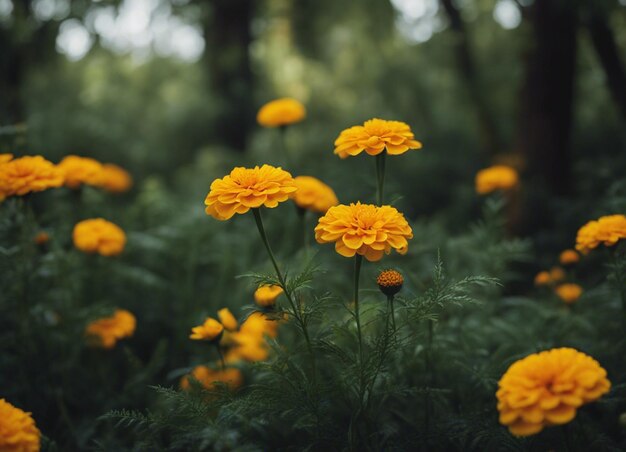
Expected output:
(380, 177)
(390, 299)
(284, 147)
(358, 260)
(219, 352)
(303, 230)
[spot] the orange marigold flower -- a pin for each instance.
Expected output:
(105, 332)
(498, 177)
(28, 174)
(18, 432)
(81, 170)
(42, 238)
(543, 278)
(557, 274)
(248, 188)
(569, 293)
(364, 229)
(390, 282)
(374, 136)
(227, 319)
(281, 112)
(568, 257)
(266, 295)
(210, 330)
(5, 158)
(115, 179)
(208, 377)
(313, 194)
(546, 388)
(607, 230)
(98, 235)
(250, 343)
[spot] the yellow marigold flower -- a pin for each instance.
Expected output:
(98, 235)
(210, 330)
(557, 274)
(28, 174)
(42, 238)
(313, 194)
(208, 377)
(248, 188)
(569, 293)
(227, 319)
(498, 177)
(546, 388)
(81, 170)
(543, 278)
(115, 179)
(374, 136)
(364, 229)
(568, 257)
(281, 112)
(18, 432)
(390, 282)
(250, 343)
(607, 230)
(258, 324)
(5, 158)
(107, 331)
(266, 295)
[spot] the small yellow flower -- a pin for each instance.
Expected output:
(364, 229)
(494, 178)
(543, 278)
(28, 174)
(248, 188)
(208, 377)
(390, 282)
(607, 230)
(281, 112)
(81, 170)
(210, 330)
(105, 332)
(266, 295)
(115, 179)
(100, 236)
(569, 293)
(374, 137)
(557, 274)
(569, 257)
(313, 194)
(42, 238)
(227, 319)
(547, 388)
(18, 432)
(250, 343)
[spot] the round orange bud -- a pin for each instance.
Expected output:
(390, 282)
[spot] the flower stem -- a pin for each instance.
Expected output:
(380, 177)
(283, 145)
(392, 313)
(219, 351)
(358, 260)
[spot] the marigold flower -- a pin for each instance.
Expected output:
(313, 194)
(568, 257)
(607, 230)
(364, 229)
(208, 377)
(18, 432)
(41, 238)
(28, 174)
(210, 330)
(498, 177)
(281, 112)
(81, 170)
(557, 274)
(105, 332)
(266, 295)
(546, 388)
(374, 136)
(543, 278)
(250, 343)
(98, 235)
(569, 293)
(5, 158)
(248, 188)
(390, 282)
(227, 319)
(115, 179)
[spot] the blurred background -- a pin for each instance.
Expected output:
(162, 86)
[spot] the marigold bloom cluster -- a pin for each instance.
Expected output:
(568, 257)
(281, 112)
(546, 389)
(607, 230)
(18, 432)
(248, 188)
(98, 235)
(208, 377)
(266, 295)
(115, 179)
(374, 137)
(364, 229)
(390, 282)
(249, 342)
(105, 332)
(569, 292)
(498, 177)
(210, 330)
(28, 174)
(81, 171)
(313, 194)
